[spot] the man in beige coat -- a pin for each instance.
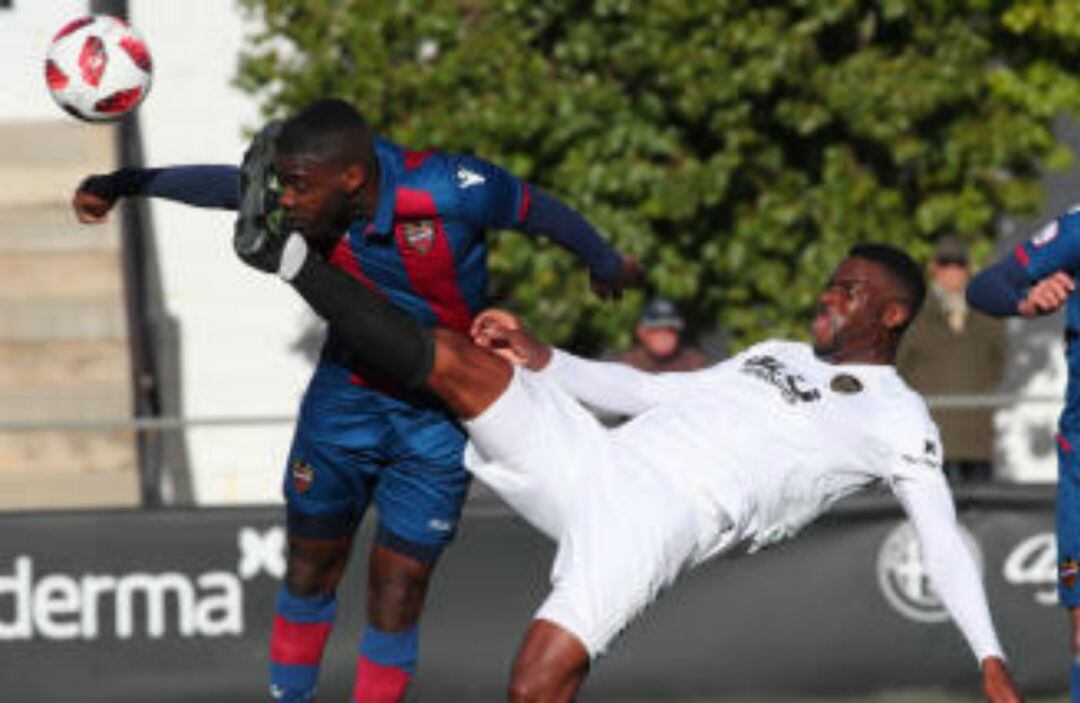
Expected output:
(949, 351)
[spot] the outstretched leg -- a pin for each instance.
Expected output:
(386, 341)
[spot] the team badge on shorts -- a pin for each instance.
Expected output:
(419, 235)
(845, 383)
(302, 475)
(1068, 572)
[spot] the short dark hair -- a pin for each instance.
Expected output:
(907, 274)
(326, 129)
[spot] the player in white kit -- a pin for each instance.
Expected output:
(745, 452)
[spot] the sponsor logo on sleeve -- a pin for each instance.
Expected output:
(1045, 235)
(468, 179)
(930, 456)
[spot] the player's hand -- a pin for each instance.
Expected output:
(997, 683)
(631, 274)
(91, 208)
(504, 334)
(1047, 295)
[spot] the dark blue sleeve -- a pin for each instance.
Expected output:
(214, 186)
(492, 197)
(561, 224)
(998, 289)
(209, 186)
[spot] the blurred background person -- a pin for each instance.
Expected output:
(660, 345)
(950, 352)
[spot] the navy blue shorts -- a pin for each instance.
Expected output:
(1067, 509)
(355, 445)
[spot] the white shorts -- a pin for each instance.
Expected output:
(623, 532)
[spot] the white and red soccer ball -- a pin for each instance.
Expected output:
(98, 68)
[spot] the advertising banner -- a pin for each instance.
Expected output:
(175, 605)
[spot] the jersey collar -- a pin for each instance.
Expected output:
(383, 222)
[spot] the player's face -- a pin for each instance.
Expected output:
(856, 312)
(315, 196)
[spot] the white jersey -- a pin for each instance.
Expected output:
(774, 435)
(769, 439)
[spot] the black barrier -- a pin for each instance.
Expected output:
(175, 605)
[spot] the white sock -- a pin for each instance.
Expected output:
(293, 257)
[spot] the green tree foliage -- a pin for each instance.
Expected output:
(736, 148)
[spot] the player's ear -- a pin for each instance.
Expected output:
(354, 177)
(895, 315)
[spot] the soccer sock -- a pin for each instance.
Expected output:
(381, 337)
(1074, 681)
(385, 665)
(301, 627)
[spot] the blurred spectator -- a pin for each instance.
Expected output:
(949, 351)
(660, 345)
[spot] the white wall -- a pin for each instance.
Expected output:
(237, 325)
(25, 32)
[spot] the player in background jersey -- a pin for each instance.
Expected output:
(747, 451)
(410, 226)
(1038, 278)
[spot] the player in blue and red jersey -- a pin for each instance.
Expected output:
(1037, 278)
(411, 225)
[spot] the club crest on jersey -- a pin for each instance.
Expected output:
(845, 383)
(1069, 572)
(419, 236)
(302, 475)
(794, 388)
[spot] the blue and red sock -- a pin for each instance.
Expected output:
(302, 625)
(385, 665)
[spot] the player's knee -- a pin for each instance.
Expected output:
(395, 602)
(308, 575)
(466, 377)
(532, 685)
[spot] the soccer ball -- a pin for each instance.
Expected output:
(98, 68)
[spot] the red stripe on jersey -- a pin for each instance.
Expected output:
(429, 264)
(1022, 254)
(414, 203)
(344, 258)
(415, 159)
(1066, 446)
(298, 643)
(526, 199)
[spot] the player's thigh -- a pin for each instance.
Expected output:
(422, 489)
(1067, 519)
(633, 535)
(332, 467)
(535, 447)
